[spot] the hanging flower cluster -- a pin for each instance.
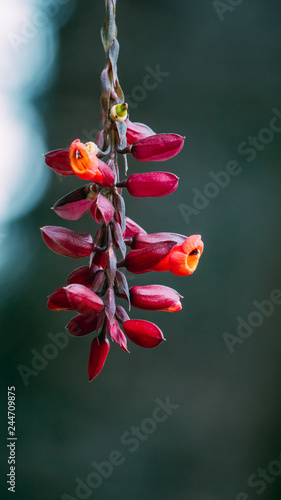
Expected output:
(91, 290)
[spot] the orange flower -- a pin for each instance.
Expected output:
(83, 162)
(183, 259)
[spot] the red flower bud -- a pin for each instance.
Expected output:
(143, 333)
(58, 160)
(58, 301)
(98, 354)
(158, 147)
(102, 209)
(82, 325)
(82, 276)
(82, 299)
(84, 163)
(66, 242)
(155, 298)
(151, 184)
(136, 131)
(142, 260)
(132, 228)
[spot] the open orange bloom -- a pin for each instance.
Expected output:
(183, 259)
(84, 163)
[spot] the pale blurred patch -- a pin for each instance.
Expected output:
(28, 48)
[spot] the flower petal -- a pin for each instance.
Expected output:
(141, 240)
(155, 298)
(151, 184)
(58, 301)
(82, 325)
(140, 261)
(184, 259)
(132, 228)
(59, 161)
(66, 242)
(116, 334)
(107, 175)
(98, 354)
(158, 147)
(136, 131)
(83, 300)
(102, 209)
(143, 333)
(82, 276)
(84, 163)
(75, 204)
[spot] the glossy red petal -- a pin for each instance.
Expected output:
(139, 261)
(155, 298)
(143, 333)
(102, 209)
(152, 184)
(75, 204)
(117, 334)
(74, 210)
(136, 131)
(141, 240)
(58, 301)
(158, 147)
(59, 161)
(132, 228)
(98, 354)
(99, 260)
(83, 276)
(83, 300)
(82, 325)
(107, 175)
(66, 242)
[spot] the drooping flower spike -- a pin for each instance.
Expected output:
(91, 290)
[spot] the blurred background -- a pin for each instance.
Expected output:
(217, 83)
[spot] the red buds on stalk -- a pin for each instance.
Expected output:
(91, 290)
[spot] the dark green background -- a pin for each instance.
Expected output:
(224, 81)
